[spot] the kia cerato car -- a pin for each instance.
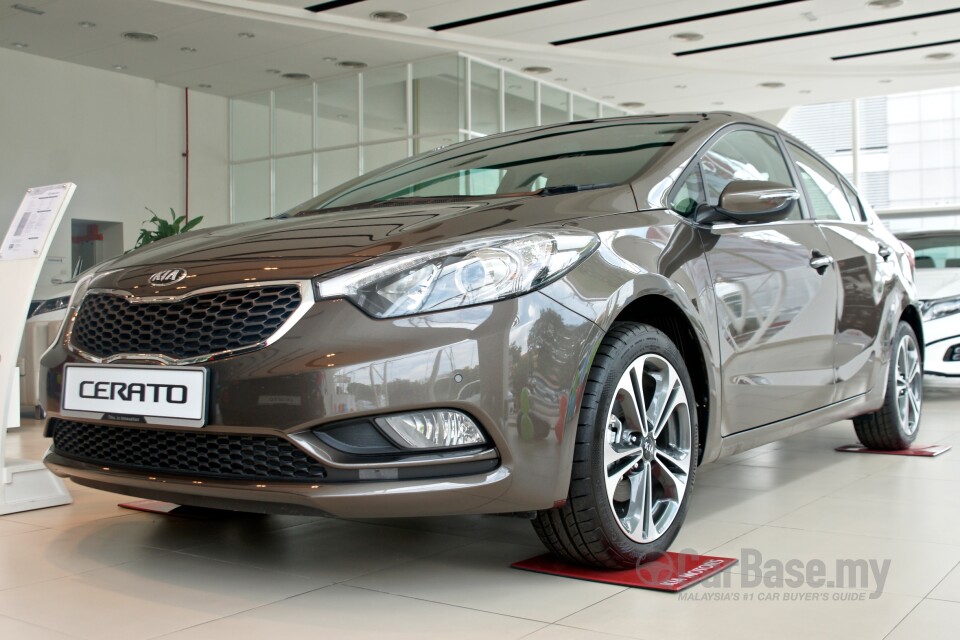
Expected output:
(938, 285)
(562, 321)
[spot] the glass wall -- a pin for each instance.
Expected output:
(291, 144)
(902, 151)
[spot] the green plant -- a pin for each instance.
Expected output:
(163, 229)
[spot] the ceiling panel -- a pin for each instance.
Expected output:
(628, 67)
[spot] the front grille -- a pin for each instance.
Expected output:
(199, 325)
(195, 453)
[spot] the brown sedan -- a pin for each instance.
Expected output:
(562, 321)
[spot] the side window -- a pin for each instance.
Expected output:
(855, 206)
(690, 194)
(826, 195)
(744, 155)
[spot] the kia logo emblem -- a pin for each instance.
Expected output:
(168, 276)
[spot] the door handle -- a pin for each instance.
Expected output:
(884, 251)
(820, 262)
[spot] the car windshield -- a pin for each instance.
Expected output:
(559, 159)
(936, 252)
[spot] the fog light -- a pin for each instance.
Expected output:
(432, 429)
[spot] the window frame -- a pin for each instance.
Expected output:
(694, 165)
(845, 186)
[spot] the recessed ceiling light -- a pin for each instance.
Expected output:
(809, 16)
(246, 34)
(205, 86)
(274, 71)
(804, 90)
(884, 4)
(771, 85)
(140, 36)
(537, 70)
(119, 67)
(560, 79)
(329, 59)
(352, 64)
(514, 87)
(28, 9)
(504, 59)
(296, 76)
(718, 102)
(632, 105)
(679, 86)
(886, 81)
(608, 97)
(687, 36)
(188, 49)
(940, 55)
(19, 45)
(342, 116)
(87, 24)
(388, 16)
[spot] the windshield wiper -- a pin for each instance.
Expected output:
(573, 188)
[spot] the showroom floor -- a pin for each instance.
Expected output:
(93, 570)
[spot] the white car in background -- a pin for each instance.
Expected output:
(938, 286)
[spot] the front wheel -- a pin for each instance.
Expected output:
(635, 455)
(894, 426)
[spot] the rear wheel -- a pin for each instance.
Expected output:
(635, 456)
(895, 425)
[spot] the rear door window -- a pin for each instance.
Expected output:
(825, 192)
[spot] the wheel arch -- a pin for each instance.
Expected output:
(911, 316)
(664, 314)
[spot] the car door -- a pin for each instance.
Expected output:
(864, 267)
(776, 310)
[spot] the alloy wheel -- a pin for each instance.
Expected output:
(647, 451)
(909, 381)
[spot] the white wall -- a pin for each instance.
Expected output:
(119, 138)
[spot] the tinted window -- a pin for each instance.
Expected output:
(825, 192)
(936, 252)
(690, 194)
(744, 155)
(578, 155)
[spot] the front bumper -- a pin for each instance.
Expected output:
(337, 365)
(942, 358)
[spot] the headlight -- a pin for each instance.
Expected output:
(933, 309)
(53, 304)
(462, 274)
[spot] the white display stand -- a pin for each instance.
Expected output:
(25, 484)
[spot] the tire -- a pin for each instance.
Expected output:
(606, 527)
(895, 424)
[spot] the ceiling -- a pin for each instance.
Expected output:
(803, 44)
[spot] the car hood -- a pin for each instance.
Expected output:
(933, 284)
(312, 245)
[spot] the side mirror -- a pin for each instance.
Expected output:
(746, 201)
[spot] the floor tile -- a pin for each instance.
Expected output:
(346, 613)
(17, 630)
(949, 588)
(147, 598)
(479, 577)
(560, 632)
(331, 550)
(931, 620)
(36, 556)
(740, 613)
(911, 569)
(908, 521)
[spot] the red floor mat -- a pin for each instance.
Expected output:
(928, 451)
(671, 572)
